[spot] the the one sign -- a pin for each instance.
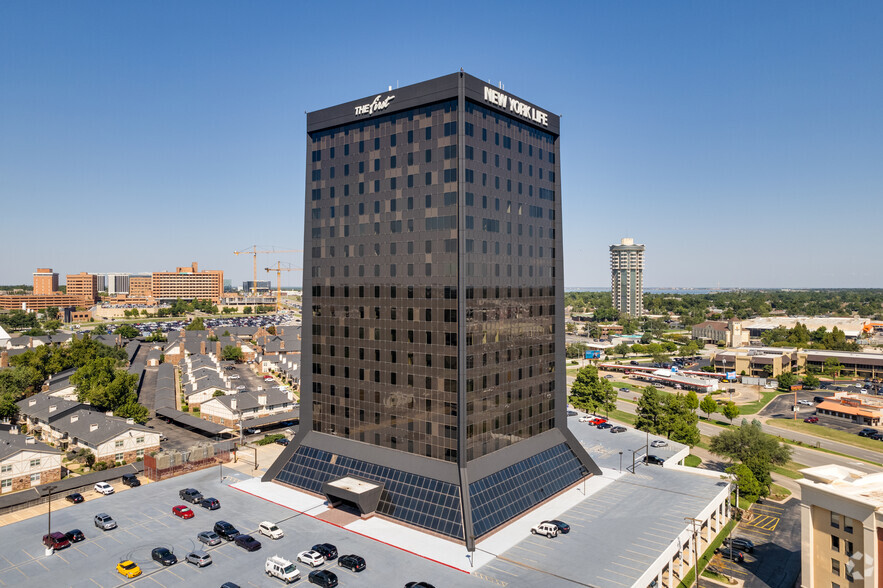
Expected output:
(731, 375)
(593, 354)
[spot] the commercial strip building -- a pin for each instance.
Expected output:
(627, 277)
(857, 408)
(772, 361)
(713, 332)
(841, 524)
(851, 327)
(433, 269)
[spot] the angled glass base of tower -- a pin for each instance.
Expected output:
(433, 356)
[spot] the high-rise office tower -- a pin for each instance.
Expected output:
(627, 277)
(84, 285)
(433, 388)
(45, 282)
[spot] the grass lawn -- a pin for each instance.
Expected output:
(692, 461)
(623, 417)
(779, 492)
(790, 470)
(826, 433)
(754, 407)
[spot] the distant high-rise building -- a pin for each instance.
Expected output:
(627, 277)
(117, 284)
(259, 286)
(101, 280)
(84, 285)
(188, 283)
(140, 286)
(45, 282)
(433, 347)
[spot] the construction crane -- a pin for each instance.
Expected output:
(254, 251)
(279, 269)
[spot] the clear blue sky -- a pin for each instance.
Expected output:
(742, 142)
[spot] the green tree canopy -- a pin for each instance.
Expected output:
(591, 393)
(810, 382)
(196, 324)
(745, 480)
(127, 331)
(730, 410)
(708, 406)
(231, 353)
(650, 414)
(749, 445)
(786, 380)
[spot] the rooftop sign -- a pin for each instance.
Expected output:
(374, 106)
(514, 106)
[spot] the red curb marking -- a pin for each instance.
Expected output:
(351, 531)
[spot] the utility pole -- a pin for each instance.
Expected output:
(50, 489)
(695, 546)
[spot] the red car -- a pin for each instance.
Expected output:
(811, 420)
(182, 511)
(597, 421)
(56, 540)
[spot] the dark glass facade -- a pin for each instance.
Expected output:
(432, 307)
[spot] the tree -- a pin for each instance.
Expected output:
(156, 336)
(127, 331)
(832, 368)
(595, 332)
(246, 310)
(745, 480)
(786, 380)
(8, 406)
(100, 330)
(650, 414)
(622, 349)
(708, 406)
(196, 324)
(217, 393)
(51, 312)
(231, 353)
(810, 382)
(133, 410)
(749, 445)
(646, 338)
(692, 400)
(679, 422)
(730, 411)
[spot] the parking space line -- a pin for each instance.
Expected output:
(96, 583)
(614, 581)
(630, 559)
(502, 571)
(618, 573)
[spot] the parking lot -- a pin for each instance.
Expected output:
(145, 522)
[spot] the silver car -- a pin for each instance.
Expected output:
(199, 558)
(104, 522)
(209, 538)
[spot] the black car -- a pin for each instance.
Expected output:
(282, 441)
(75, 498)
(210, 503)
(327, 550)
(191, 495)
(618, 429)
(571, 413)
(605, 426)
(75, 535)
(247, 542)
(562, 526)
(867, 432)
(131, 480)
(323, 578)
(355, 563)
(419, 585)
(740, 543)
(163, 556)
(653, 460)
(731, 554)
(226, 530)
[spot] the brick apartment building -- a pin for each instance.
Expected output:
(45, 282)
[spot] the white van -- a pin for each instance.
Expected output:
(270, 530)
(282, 569)
(547, 529)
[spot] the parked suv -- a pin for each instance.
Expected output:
(226, 530)
(163, 556)
(191, 495)
(271, 530)
(547, 529)
(104, 488)
(56, 540)
(131, 480)
(104, 522)
(740, 543)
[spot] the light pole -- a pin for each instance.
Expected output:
(49, 489)
(620, 462)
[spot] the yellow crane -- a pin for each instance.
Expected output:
(279, 269)
(254, 251)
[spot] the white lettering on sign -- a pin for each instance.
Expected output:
(515, 106)
(374, 106)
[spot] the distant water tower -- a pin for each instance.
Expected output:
(627, 277)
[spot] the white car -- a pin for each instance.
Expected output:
(805, 402)
(234, 377)
(311, 558)
(659, 443)
(270, 530)
(104, 488)
(585, 418)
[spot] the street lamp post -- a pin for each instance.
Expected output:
(620, 462)
(50, 489)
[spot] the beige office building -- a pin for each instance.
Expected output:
(627, 277)
(83, 285)
(186, 283)
(841, 525)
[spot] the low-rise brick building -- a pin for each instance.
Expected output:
(25, 462)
